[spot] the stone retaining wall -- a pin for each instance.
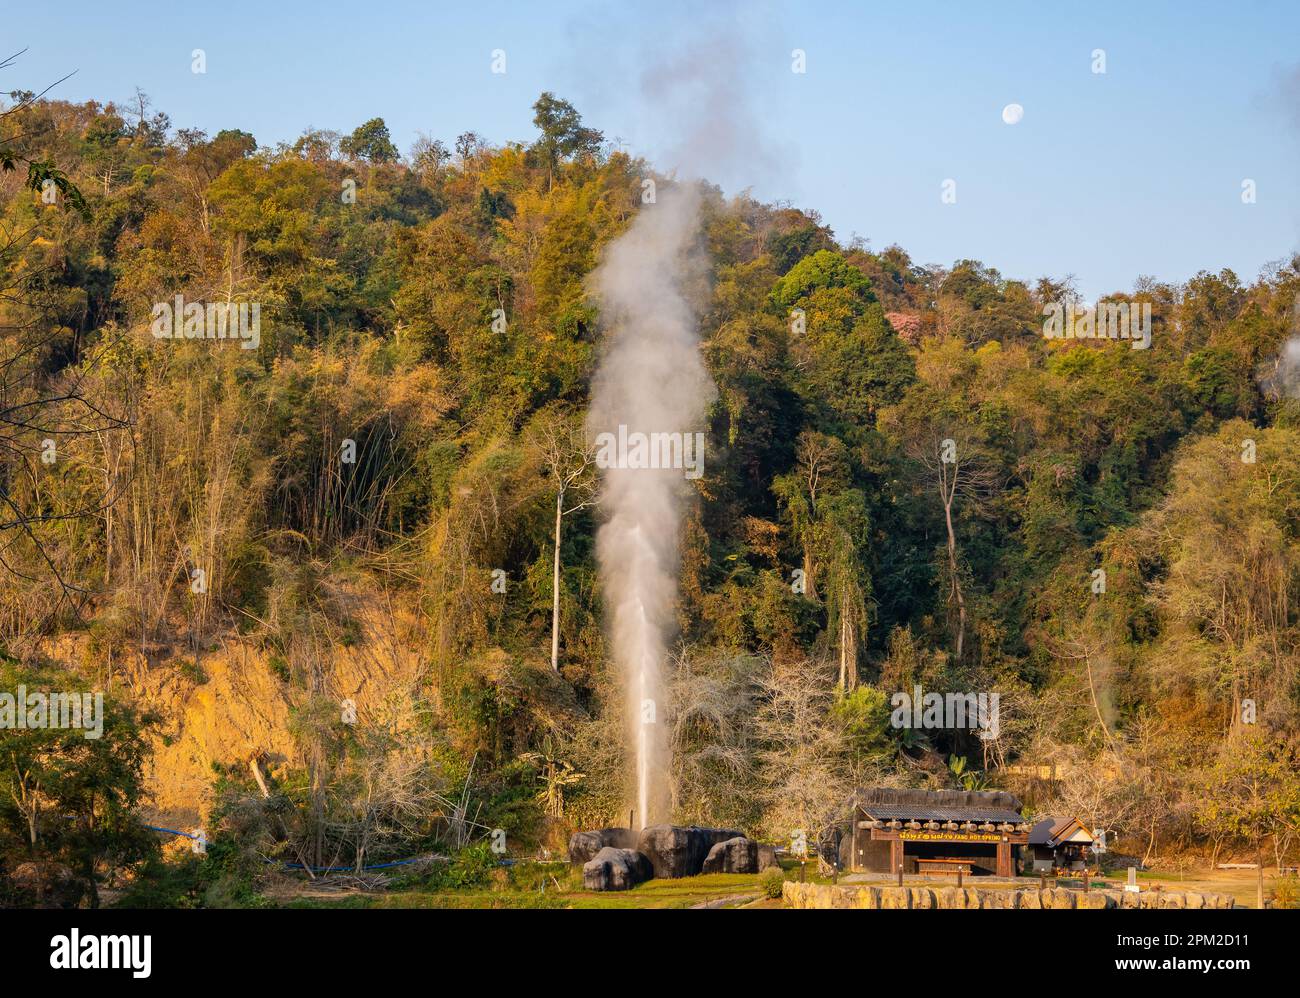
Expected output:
(798, 895)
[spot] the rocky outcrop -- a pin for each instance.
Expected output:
(737, 855)
(797, 895)
(618, 858)
(616, 870)
(583, 846)
(680, 851)
(228, 705)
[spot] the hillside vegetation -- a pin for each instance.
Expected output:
(201, 547)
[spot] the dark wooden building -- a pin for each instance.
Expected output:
(935, 832)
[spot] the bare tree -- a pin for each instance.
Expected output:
(954, 466)
(1100, 790)
(569, 462)
(806, 772)
(712, 705)
(388, 787)
(1089, 651)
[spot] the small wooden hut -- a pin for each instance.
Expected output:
(1059, 844)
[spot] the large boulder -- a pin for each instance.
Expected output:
(678, 851)
(616, 870)
(738, 855)
(583, 846)
(766, 857)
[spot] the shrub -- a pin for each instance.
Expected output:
(192, 671)
(1286, 893)
(472, 866)
(532, 876)
(771, 881)
(279, 668)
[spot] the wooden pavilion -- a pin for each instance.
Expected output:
(936, 832)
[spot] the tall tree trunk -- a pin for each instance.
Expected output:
(555, 585)
(844, 650)
(848, 638)
(956, 581)
(1096, 707)
(1259, 862)
(851, 659)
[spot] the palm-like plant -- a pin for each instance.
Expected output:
(970, 779)
(554, 774)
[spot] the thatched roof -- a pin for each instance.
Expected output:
(885, 804)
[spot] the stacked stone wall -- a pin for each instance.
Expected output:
(797, 895)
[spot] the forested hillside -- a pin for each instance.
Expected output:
(361, 506)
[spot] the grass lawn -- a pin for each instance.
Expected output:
(1239, 883)
(682, 893)
(735, 890)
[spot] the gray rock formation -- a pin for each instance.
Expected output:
(616, 870)
(738, 855)
(583, 846)
(677, 851)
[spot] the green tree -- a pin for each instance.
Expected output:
(16, 148)
(563, 133)
(1251, 791)
(370, 142)
(70, 799)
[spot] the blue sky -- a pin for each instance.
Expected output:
(1108, 176)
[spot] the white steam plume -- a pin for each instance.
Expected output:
(1286, 375)
(701, 76)
(1282, 378)
(651, 380)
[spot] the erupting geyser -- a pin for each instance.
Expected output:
(651, 380)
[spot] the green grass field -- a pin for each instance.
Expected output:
(683, 893)
(735, 890)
